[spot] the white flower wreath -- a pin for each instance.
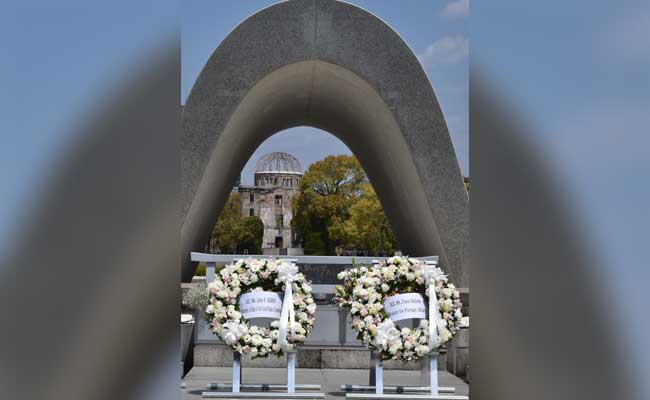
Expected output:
(366, 288)
(254, 275)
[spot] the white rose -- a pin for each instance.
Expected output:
(271, 266)
(256, 340)
(394, 347)
(229, 338)
(254, 265)
(422, 350)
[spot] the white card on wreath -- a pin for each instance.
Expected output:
(405, 306)
(260, 305)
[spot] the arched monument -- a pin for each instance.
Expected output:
(333, 66)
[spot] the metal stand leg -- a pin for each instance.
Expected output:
(433, 373)
(291, 372)
(428, 388)
(236, 372)
(373, 360)
(263, 390)
(379, 375)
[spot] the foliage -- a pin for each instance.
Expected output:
(200, 269)
(338, 209)
(368, 227)
(252, 234)
(466, 180)
(234, 233)
(197, 296)
(313, 244)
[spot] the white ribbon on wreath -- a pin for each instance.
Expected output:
(431, 274)
(287, 273)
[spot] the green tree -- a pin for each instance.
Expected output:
(252, 233)
(233, 233)
(368, 227)
(335, 196)
(328, 189)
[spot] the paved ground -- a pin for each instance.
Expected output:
(329, 379)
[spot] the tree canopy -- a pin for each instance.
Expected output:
(235, 234)
(368, 227)
(338, 209)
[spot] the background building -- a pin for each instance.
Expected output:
(276, 182)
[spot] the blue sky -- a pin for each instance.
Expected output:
(435, 30)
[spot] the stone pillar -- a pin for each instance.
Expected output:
(458, 353)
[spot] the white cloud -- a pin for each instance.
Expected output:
(448, 50)
(456, 9)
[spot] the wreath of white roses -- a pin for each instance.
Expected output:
(365, 289)
(244, 276)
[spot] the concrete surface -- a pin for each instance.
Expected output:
(218, 355)
(329, 379)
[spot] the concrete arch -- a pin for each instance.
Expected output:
(334, 66)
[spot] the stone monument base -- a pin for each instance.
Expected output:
(218, 355)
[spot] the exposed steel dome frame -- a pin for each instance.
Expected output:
(278, 162)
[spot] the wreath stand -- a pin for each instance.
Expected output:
(428, 375)
(428, 382)
(259, 390)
